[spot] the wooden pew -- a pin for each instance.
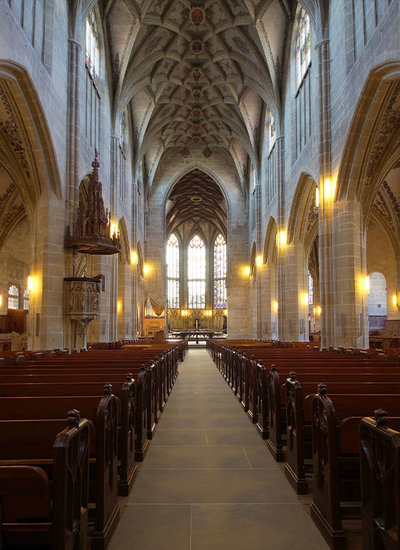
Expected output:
(298, 419)
(380, 481)
(40, 510)
(336, 459)
(103, 488)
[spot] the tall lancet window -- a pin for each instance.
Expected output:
(196, 273)
(303, 49)
(173, 272)
(92, 48)
(220, 272)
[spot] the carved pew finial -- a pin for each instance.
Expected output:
(322, 389)
(380, 418)
(107, 389)
(74, 417)
(129, 377)
(293, 376)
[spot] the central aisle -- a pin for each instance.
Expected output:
(208, 481)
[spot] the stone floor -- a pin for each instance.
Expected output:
(208, 481)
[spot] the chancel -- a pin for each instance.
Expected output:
(199, 273)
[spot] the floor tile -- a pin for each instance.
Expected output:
(259, 527)
(153, 527)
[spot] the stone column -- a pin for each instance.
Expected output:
(350, 298)
(239, 310)
(325, 212)
(293, 302)
(72, 158)
(45, 321)
(113, 283)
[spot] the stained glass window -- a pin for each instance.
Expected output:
(196, 273)
(173, 272)
(310, 290)
(13, 297)
(303, 49)
(272, 132)
(26, 300)
(92, 48)
(220, 272)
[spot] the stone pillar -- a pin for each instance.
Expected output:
(258, 268)
(325, 212)
(100, 329)
(45, 321)
(293, 301)
(72, 158)
(350, 298)
(114, 177)
(239, 310)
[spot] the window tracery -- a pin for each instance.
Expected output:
(173, 272)
(13, 296)
(196, 273)
(92, 48)
(220, 300)
(303, 49)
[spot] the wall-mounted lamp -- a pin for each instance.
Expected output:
(329, 190)
(246, 271)
(317, 197)
(1, 300)
(317, 310)
(208, 312)
(304, 298)
(114, 230)
(119, 306)
(394, 300)
(30, 283)
(184, 312)
(146, 269)
(225, 312)
(134, 257)
(281, 239)
(366, 285)
(275, 306)
(259, 260)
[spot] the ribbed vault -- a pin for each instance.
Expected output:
(198, 75)
(196, 198)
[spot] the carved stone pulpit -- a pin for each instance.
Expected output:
(82, 299)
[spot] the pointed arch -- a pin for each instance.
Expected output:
(269, 254)
(303, 212)
(370, 150)
(30, 142)
(125, 249)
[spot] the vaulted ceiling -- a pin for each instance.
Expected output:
(196, 197)
(197, 75)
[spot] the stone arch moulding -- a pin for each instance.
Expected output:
(168, 181)
(253, 259)
(27, 130)
(270, 242)
(303, 212)
(125, 250)
(374, 123)
(140, 263)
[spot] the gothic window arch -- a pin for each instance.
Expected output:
(173, 270)
(196, 269)
(302, 67)
(92, 93)
(92, 58)
(13, 296)
(303, 49)
(26, 299)
(220, 267)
